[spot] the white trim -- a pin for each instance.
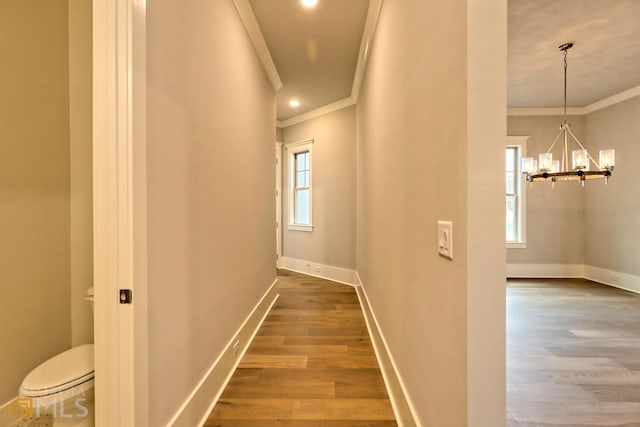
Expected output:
(4, 414)
(6, 404)
(298, 227)
(336, 274)
(289, 145)
(517, 245)
(546, 271)
(294, 148)
(329, 108)
(221, 370)
(253, 30)
(279, 198)
(628, 282)
(139, 330)
(518, 140)
(370, 26)
(612, 100)
(577, 111)
(403, 407)
(119, 189)
(521, 142)
(544, 111)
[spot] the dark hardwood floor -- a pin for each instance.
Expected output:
(573, 355)
(310, 365)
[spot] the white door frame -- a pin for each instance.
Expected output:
(279, 204)
(119, 188)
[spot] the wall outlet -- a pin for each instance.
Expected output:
(236, 347)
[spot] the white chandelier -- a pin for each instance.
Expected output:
(548, 169)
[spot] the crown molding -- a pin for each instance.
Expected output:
(329, 108)
(243, 7)
(612, 100)
(551, 111)
(579, 111)
(370, 26)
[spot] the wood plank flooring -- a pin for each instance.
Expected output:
(310, 365)
(573, 354)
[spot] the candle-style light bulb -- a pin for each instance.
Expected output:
(580, 159)
(607, 159)
(545, 162)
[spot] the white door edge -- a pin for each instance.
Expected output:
(279, 227)
(119, 147)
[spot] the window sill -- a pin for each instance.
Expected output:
(299, 227)
(516, 245)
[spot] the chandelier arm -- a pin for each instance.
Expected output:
(582, 146)
(554, 141)
(565, 153)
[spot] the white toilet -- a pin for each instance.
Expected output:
(61, 388)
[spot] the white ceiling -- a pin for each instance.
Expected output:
(315, 50)
(604, 61)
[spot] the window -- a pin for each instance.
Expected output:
(301, 189)
(300, 192)
(515, 195)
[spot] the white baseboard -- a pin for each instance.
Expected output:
(616, 279)
(625, 281)
(197, 407)
(5, 419)
(336, 274)
(403, 408)
(545, 271)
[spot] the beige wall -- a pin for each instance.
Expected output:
(412, 154)
(332, 241)
(612, 221)
(211, 211)
(34, 187)
(81, 177)
(555, 216)
(279, 134)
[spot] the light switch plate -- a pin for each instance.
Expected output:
(445, 239)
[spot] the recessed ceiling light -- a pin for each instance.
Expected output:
(294, 103)
(309, 3)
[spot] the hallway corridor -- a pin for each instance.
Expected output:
(311, 364)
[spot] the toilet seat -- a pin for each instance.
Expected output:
(60, 373)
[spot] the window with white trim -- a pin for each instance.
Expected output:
(515, 193)
(300, 190)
